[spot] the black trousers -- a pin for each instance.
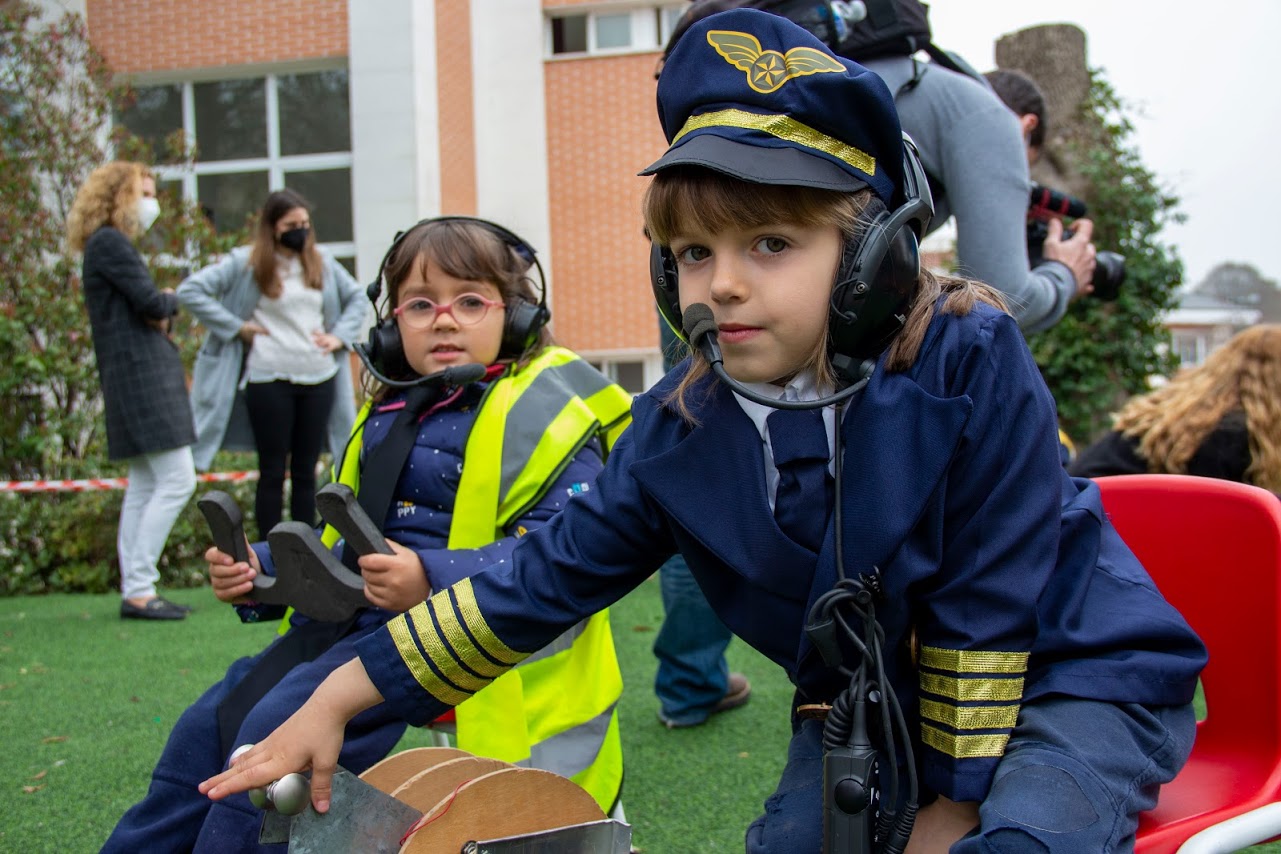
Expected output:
(290, 424)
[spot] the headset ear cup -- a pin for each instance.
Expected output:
(523, 321)
(877, 282)
(385, 350)
(664, 282)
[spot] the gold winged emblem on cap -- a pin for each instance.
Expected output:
(768, 70)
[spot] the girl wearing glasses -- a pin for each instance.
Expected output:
(274, 374)
(489, 462)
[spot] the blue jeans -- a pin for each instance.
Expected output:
(692, 673)
(1075, 775)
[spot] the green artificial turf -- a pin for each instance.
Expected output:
(87, 700)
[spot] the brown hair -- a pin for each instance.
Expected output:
(1172, 422)
(464, 249)
(692, 198)
(262, 258)
(108, 197)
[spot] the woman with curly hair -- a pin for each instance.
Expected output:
(144, 388)
(1220, 419)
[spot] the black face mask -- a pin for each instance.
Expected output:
(294, 238)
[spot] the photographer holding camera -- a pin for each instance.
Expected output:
(976, 150)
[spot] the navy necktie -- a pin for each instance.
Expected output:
(804, 497)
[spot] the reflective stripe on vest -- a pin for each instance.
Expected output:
(557, 709)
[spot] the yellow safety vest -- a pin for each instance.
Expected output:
(558, 709)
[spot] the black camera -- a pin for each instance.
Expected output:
(1043, 205)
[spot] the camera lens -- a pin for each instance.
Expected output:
(1109, 275)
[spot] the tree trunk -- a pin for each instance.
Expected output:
(1054, 56)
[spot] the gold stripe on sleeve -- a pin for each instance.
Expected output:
(452, 666)
(965, 746)
(973, 661)
(486, 640)
(972, 690)
(414, 661)
(462, 645)
(970, 717)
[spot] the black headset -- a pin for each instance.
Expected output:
(522, 322)
(876, 282)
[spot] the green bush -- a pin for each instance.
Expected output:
(1100, 353)
(65, 542)
(59, 96)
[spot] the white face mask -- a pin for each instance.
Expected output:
(148, 210)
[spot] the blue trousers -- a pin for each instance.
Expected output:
(174, 817)
(692, 672)
(1075, 776)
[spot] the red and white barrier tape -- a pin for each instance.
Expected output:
(94, 484)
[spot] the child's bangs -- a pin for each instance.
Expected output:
(684, 200)
(462, 250)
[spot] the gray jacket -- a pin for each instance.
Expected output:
(970, 143)
(223, 296)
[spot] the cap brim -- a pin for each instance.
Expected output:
(757, 164)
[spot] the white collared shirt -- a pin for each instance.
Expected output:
(802, 387)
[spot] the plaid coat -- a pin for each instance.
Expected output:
(144, 387)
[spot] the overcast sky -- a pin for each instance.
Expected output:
(1203, 78)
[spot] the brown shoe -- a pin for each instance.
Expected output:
(737, 692)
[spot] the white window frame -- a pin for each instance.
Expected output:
(647, 27)
(275, 164)
(650, 360)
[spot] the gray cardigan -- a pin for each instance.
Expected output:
(223, 296)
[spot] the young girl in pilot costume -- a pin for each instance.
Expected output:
(1045, 683)
(487, 462)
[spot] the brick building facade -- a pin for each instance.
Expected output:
(534, 113)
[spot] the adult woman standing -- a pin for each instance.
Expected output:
(273, 372)
(144, 388)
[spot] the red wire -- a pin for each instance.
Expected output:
(424, 821)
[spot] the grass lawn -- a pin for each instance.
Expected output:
(87, 701)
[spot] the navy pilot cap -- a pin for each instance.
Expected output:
(756, 97)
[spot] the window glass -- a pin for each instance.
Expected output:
(613, 30)
(630, 375)
(231, 119)
(314, 113)
(569, 34)
(329, 191)
(229, 200)
(154, 112)
(667, 18)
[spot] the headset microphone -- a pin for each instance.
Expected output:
(452, 376)
(700, 330)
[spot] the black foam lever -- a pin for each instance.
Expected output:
(226, 523)
(308, 577)
(338, 506)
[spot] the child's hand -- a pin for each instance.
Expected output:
(311, 738)
(232, 582)
(397, 581)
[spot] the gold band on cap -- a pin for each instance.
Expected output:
(785, 128)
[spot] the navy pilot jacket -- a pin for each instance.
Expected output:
(1007, 570)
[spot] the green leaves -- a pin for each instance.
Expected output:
(57, 99)
(1101, 353)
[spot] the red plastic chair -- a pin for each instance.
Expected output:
(1213, 547)
(442, 728)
